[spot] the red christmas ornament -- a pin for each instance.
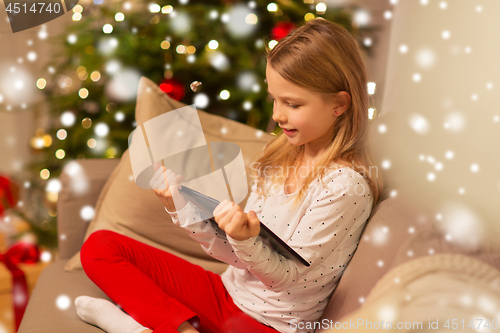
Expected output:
(282, 29)
(174, 88)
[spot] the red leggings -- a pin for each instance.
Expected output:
(160, 290)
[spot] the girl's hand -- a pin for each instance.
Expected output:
(235, 222)
(163, 184)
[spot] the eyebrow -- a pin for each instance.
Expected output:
(298, 99)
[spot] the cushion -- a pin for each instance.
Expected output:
(438, 289)
(136, 212)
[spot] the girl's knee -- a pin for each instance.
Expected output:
(97, 245)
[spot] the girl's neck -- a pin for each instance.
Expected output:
(309, 159)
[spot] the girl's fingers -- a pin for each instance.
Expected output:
(166, 179)
(237, 215)
(157, 174)
(236, 210)
(160, 185)
(223, 208)
(219, 207)
(155, 185)
(177, 181)
(227, 206)
(158, 182)
(171, 179)
(162, 181)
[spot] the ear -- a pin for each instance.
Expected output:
(342, 103)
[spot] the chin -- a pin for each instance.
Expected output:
(295, 143)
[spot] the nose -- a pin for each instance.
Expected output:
(279, 116)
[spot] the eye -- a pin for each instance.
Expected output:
(271, 99)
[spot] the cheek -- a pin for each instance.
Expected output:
(315, 123)
(300, 121)
(325, 118)
(305, 123)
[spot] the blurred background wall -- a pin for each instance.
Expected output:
(438, 135)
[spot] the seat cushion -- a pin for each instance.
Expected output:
(136, 212)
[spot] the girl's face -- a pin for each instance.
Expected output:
(302, 110)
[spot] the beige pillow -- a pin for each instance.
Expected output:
(135, 212)
(426, 290)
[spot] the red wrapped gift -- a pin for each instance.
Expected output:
(8, 194)
(19, 254)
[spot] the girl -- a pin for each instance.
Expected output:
(318, 81)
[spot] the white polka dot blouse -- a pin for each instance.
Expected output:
(324, 229)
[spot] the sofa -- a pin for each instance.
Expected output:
(399, 251)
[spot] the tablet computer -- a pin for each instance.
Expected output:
(207, 205)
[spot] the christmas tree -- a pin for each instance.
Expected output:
(208, 53)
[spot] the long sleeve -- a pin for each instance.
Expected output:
(332, 215)
(212, 239)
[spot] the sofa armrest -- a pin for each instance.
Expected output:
(81, 185)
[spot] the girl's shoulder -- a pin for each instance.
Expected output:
(335, 177)
(343, 177)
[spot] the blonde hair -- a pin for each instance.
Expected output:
(323, 57)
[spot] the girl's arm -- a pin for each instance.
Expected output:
(339, 209)
(202, 230)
